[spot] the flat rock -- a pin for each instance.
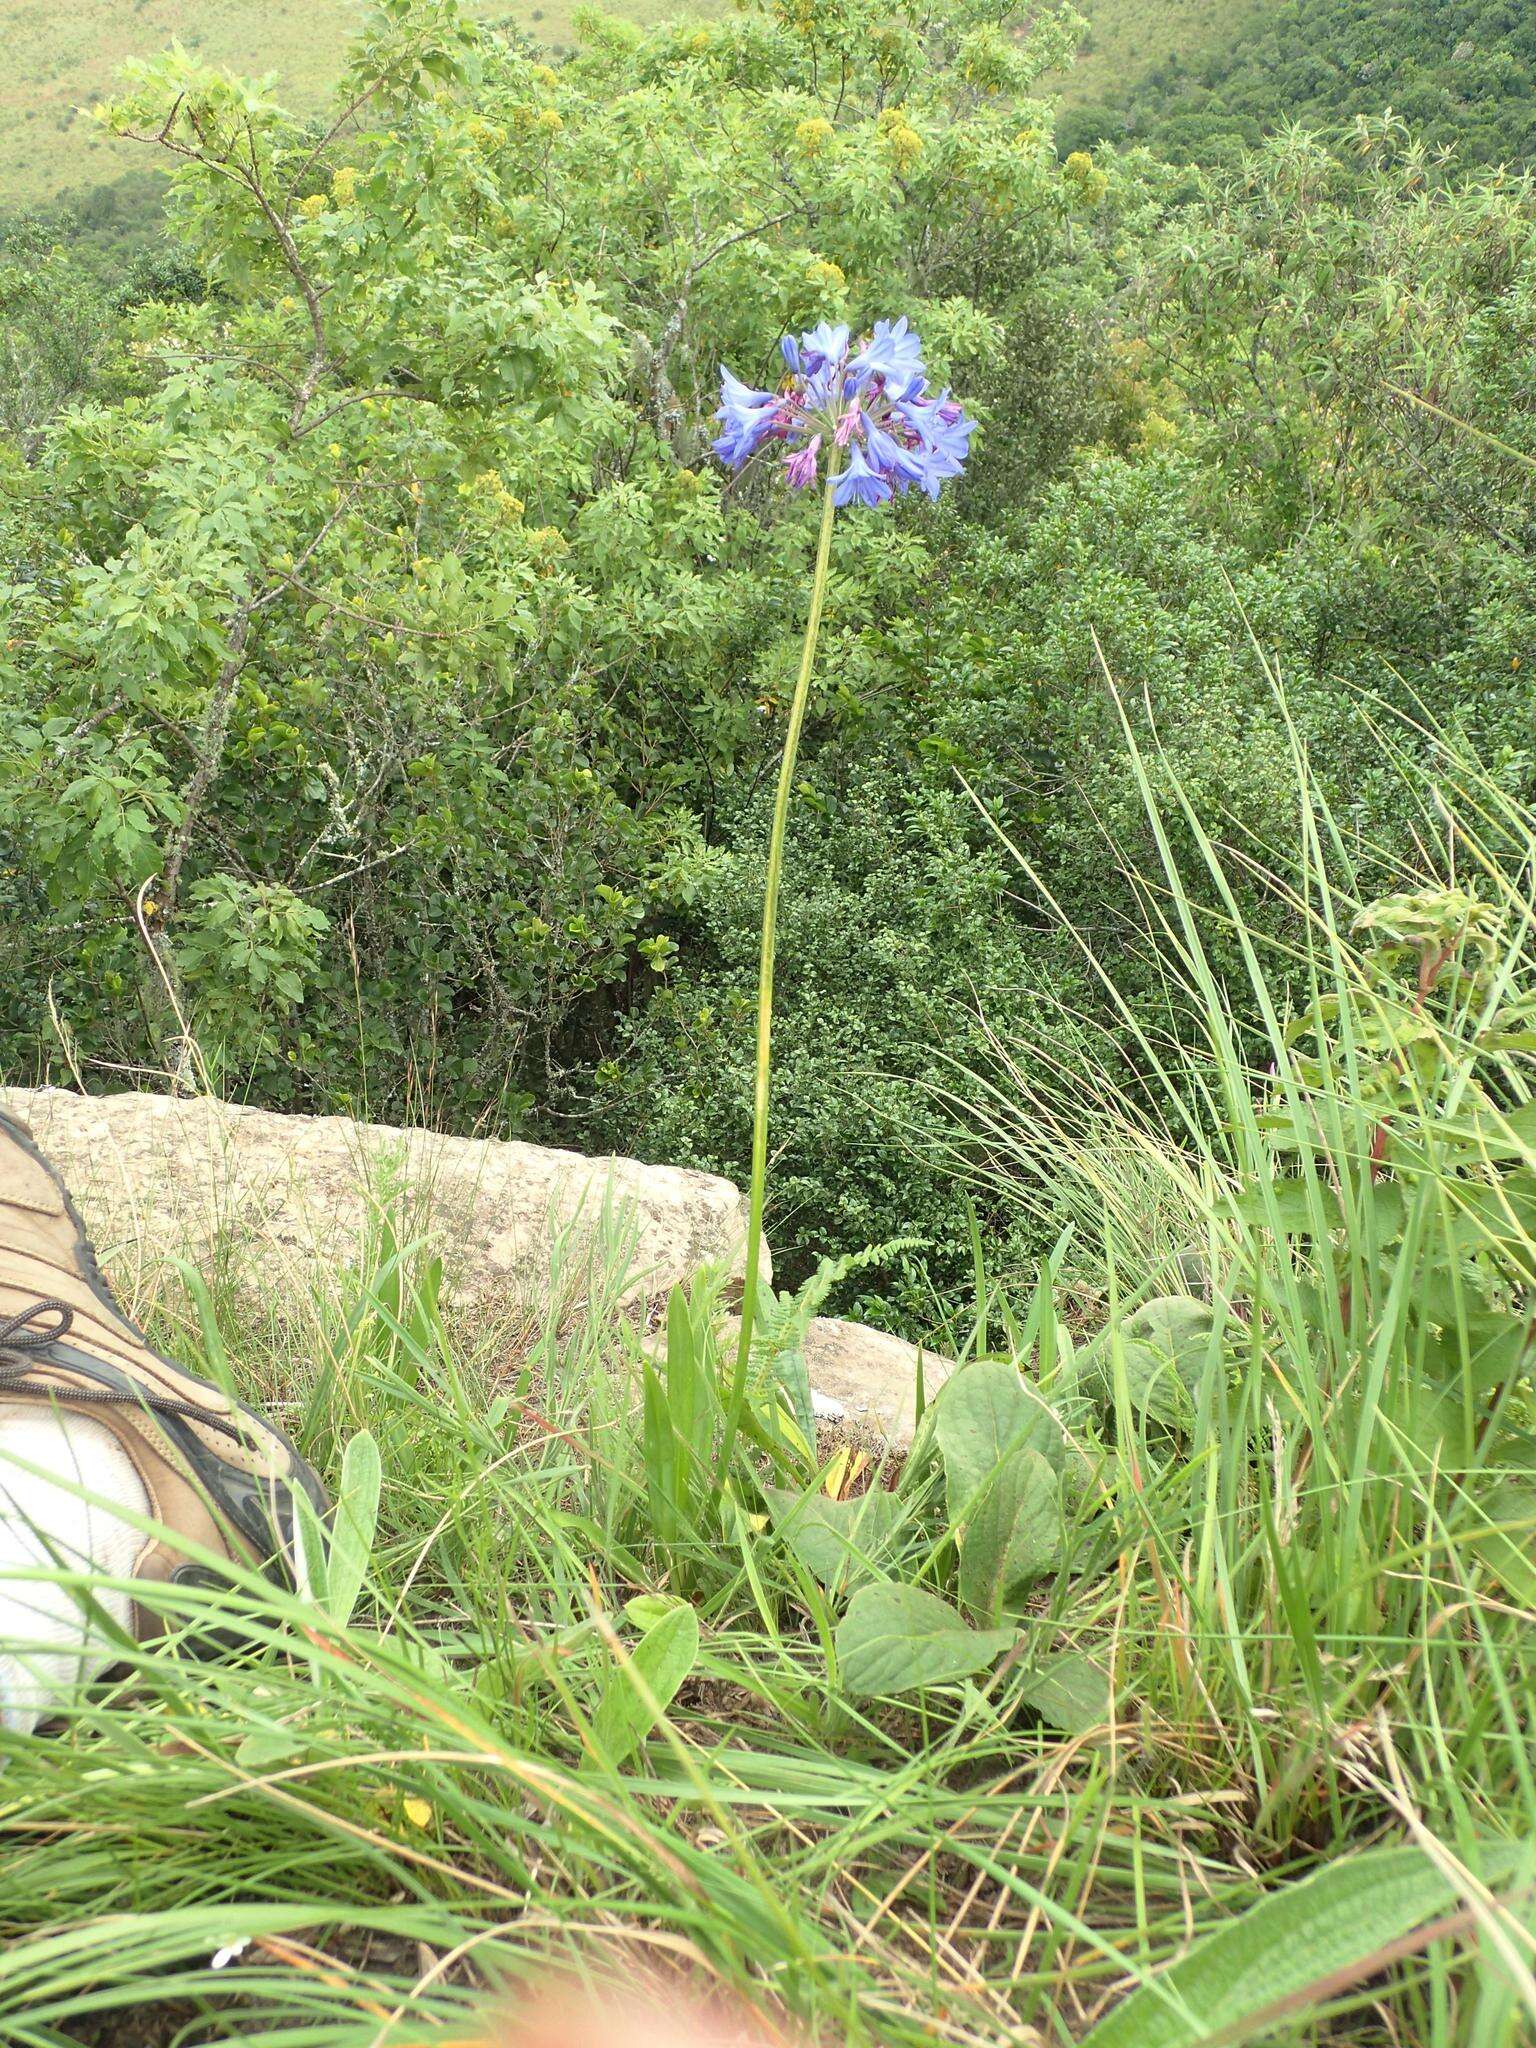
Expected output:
(870, 1375)
(517, 1226)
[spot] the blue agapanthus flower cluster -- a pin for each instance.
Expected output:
(871, 404)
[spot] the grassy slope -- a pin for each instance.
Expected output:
(60, 59)
(1127, 37)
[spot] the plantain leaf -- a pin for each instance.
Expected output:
(1166, 1344)
(838, 1541)
(1070, 1691)
(1289, 1949)
(1014, 1533)
(357, 1516)
(659, 1663)
(984, 1412)
(896, 1639)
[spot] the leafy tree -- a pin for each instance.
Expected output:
(403, 595)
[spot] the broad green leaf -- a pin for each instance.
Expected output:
(659, 1663)
(1507, 1544)
(1014, 1533)
(1302, 1935)
(838, 1541)
(896, 1639)
(314, 1551)
(1286, 1206)
(984, 1412)
(356, 1522)
(1167, 1346)
(1069, 1690)
(267, 1748)
(410, 1651)
(646, 1609)
(1484, 1350)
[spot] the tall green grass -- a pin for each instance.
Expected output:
(1324, 1573)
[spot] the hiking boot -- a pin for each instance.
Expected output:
(217, 1474)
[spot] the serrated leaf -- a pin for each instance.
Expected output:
(897, 1639)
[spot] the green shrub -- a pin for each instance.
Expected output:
(895, 927)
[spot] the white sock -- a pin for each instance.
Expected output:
(49, 1644)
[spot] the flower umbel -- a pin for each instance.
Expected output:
(874, 403)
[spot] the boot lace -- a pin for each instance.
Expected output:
(32, 1330)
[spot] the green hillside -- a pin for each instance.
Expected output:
(1193, 80)
(61, 59)
(1128, 38)
(1184, 76)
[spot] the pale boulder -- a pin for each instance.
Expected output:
(288, 1197)
(865, 1381)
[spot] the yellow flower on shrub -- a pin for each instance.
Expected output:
(344, 185)
(313, 206)
(1081, 171)
(1156, 432)
(905, 145)
(813, 135)
(550, 121)
(825, 274)
(902, 142)
(546, 74)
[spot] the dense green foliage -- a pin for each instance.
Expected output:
(392, 687)
(1461, 73)
(395, 620)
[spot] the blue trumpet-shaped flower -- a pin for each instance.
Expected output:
(870, 409)
(891, 458)
(859, 484)
(893, 352)
(747, 416)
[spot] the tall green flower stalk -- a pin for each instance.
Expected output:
(763, 1072)
(869, 416)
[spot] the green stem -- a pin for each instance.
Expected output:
(759, 1182)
